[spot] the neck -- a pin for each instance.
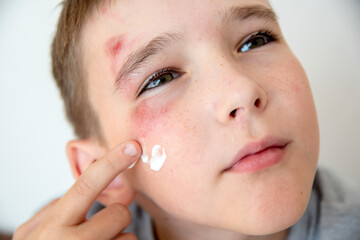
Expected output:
(179, 230)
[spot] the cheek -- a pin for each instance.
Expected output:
(301, 91)
(292, 82)
(300, 105)
(171, 125)
(150, 117)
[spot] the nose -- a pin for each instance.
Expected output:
(239, 96)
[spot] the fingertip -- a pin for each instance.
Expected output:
(130, 150)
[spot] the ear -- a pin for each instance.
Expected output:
(81, 154)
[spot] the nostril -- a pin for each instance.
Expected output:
(257, 103)
(233, 113)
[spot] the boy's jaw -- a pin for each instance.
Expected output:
(191, 117)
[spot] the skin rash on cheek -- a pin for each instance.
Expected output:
(149, 117)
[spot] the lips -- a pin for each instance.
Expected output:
(258, 155)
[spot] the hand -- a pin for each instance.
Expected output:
(65, 218)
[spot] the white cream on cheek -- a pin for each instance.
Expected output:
(158, 157)
(144, 156)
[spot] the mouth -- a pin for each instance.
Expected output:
(256, 156)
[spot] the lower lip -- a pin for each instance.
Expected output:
(259, 161)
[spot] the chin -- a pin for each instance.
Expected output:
(270, 224)
(272, 206)
(278, 212)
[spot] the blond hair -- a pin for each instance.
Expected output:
(68, 70)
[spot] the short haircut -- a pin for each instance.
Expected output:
(68, 69)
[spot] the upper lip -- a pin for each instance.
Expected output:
(255, 147)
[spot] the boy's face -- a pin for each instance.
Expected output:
(217, 91)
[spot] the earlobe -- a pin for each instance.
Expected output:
(81, 154)
(119, 191)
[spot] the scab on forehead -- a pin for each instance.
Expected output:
(114, 49)
(114, 46)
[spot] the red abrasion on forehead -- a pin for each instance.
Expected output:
(113, 49)
(114, 45)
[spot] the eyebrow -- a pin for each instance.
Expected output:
(245, 13)
(143, 54)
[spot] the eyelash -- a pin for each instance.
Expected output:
(267, 36)
(174, 73)
(246, 44)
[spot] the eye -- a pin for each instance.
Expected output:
(158, 79)
(257, 40)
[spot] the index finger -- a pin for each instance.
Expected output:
(75, 204)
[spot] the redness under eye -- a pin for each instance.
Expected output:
(148, 116)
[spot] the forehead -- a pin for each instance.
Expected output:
(118, 29)
(140, 20)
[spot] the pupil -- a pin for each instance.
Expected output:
(166, 78)
(258, 42)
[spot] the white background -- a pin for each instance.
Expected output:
(324, 34)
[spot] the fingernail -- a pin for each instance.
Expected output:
(130, 150)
